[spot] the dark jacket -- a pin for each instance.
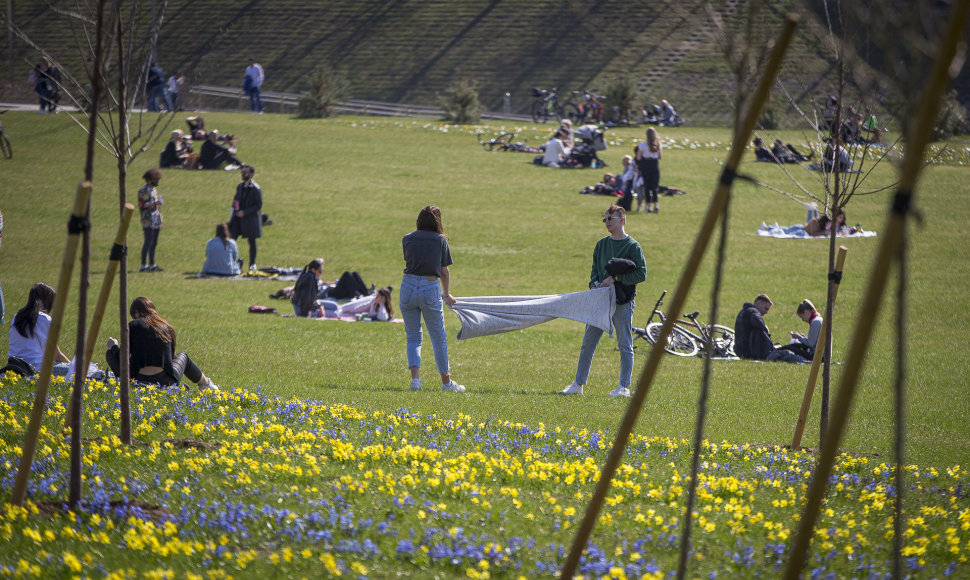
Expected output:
(212, 155)
(751, 337)
(305, 292)
(250, 198)
(170, 156)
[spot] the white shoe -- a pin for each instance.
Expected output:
(620, 392)
(415, 384)
(572, 389)
(232, 167)
(453, 387)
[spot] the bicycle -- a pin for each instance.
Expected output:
(589, 108)
(5, 142)
(683, 340)
(546, 105)
(501, 143)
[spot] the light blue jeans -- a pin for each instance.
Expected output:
(623, 327)
(422, 296)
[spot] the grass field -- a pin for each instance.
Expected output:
(349, 188)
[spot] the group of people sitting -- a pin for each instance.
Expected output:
(568, 148)
(852, 128)
(662, 115)
(752, 339)
(779, 152)
(217, 151)
(313, 298)
(152, 353)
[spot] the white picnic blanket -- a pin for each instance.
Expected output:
(484, 315)
(797, 231)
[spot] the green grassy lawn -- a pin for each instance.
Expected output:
(349, 188)
(316, 456)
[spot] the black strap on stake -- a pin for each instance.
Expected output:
(117, 252)
(78, 224)
(902, 202)
(836, 276)
(728, 176)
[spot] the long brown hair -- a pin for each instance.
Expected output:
(653, 141)
(40, 298)
(386, 293)
(144, 308)
(222, 232)
(429, 220)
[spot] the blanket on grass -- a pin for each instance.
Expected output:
(798, 231)
(271, 273)
(485, 315)
(354, 319)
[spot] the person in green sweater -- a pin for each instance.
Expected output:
(616, 245)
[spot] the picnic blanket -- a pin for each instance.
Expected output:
(798, 231)
(485, 315)
(354, 319)
(271, 273)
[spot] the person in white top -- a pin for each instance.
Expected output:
(252, 83)
(30, 327)
(648, 162)
(175, 82)
(556, 150)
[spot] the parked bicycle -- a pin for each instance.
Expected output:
(5, 142)
(688, 337)
(505, 142)
(546, 106)
(588, 109)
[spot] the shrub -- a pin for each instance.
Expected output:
(953, 118)
(767, 122)
(327, 88)
(460, 103)
(621, 94)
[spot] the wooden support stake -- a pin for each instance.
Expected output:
(918, 136)
(816, 360)
(47, 366)
(114, 261)
(714, 212)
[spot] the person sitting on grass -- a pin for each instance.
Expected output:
(222, 254)
(30, 327)
(213, 155)
(376, 306)
(752, 340)
(307, 290)
(762, 153)
(152, 358)
(809, 315)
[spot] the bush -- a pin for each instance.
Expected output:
(621, 94)
(953, 118)
(767, 122)
(327, 88)
(460, 103)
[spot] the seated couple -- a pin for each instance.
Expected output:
(312, 301)
(752, 340)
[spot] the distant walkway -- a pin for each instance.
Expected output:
(350, 106)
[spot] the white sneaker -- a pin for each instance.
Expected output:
(232, 167)
(573, 389)
(415, 384)
(453, 387)
(620, 392)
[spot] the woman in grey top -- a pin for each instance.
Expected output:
(427, 257)
(806, 311)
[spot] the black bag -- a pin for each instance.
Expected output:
(617, 267)
(19, 366)
(800, 349)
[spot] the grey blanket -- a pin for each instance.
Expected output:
(484, 315)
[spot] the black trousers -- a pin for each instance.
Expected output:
(182, 365)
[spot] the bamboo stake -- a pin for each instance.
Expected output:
(109, 275)
(817, 359)
(714, 212)
(75, 226)
(920, 131)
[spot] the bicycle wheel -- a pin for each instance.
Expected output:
(541, 111)
(723, 338)
(5, 146)
(571, 112)
(680, 343)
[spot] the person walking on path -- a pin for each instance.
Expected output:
(247, 212)
(427, 258)
(252, 83)
(149, 203)
(616, 245)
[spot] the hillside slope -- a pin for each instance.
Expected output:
(408, 51)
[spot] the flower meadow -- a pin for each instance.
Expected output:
(238, 484)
